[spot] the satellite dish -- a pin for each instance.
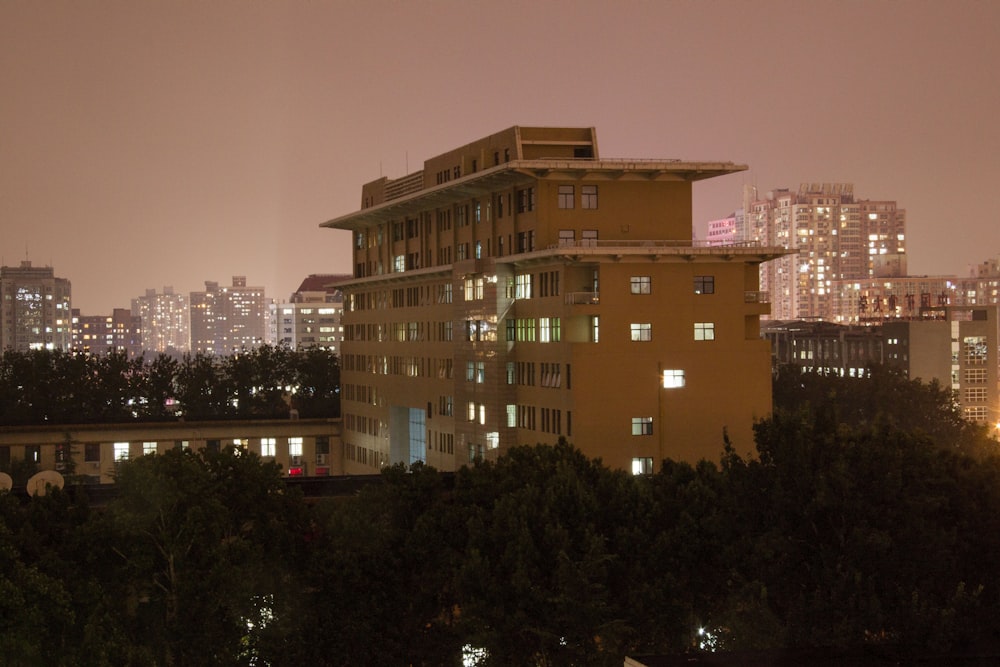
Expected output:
(40, 482)
(6, 482)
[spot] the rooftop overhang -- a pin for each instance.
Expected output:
(519, 173)
(653, 251)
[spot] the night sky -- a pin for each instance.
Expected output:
(145, 143)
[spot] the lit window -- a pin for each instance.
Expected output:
(148, 448)
(566, 196)
(641, 331)
(523, 286)
(642, 466)
(673, 378)
(704, 284)
(642, 426)
(295, 446)
(641, 284)
(704, 330)
(595, 329)
(544, 330)
(121, 451)
(588, 196)
(267, 446)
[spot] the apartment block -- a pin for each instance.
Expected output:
(311, 318)
(227, 319)
(35, 309)
(836, 236)
(100, 334)
(166, 320)
(522, 288)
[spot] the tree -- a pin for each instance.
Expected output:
(193, 537)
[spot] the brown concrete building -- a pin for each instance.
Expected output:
(522, 288)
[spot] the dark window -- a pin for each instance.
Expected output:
(92, 452)
(704, 284)
(322, 444)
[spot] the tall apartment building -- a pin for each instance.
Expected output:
(166, 321)
(228, 319)
(521, 288)
(99, 334)
(35, 309)
(836, 236)
(312, 315)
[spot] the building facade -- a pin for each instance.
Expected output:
(836, 237)
(303, 447)
(35, 309)
(165, 319)
(311, 318)
(100, 334)
(958, 347)
(521, 288)
(227, 319)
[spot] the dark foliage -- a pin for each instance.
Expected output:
(55, 387)
(853, 527)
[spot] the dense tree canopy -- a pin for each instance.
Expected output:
(55, 387)
(850, 526)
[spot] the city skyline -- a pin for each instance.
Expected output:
(147, 146)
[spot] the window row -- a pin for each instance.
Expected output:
(643, 331)
(644, 284)
(566, 196)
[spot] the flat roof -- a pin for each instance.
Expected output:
(522, 172)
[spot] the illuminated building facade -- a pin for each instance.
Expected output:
(225, 320)
(35, 309)
(836, 237)
(99, 334)
(312, 316)
(958, 348)
(521, 288)
(166, 320)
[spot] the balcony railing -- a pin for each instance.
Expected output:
(653, 243)
(582, 298)
(756, 297)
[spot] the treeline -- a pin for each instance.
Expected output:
(856, 523)
(55, 387)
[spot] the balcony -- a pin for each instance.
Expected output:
(756, 297)
(583, 298)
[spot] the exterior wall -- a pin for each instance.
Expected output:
(470, 321)
(94, 452)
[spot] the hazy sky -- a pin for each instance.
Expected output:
(147, 143)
